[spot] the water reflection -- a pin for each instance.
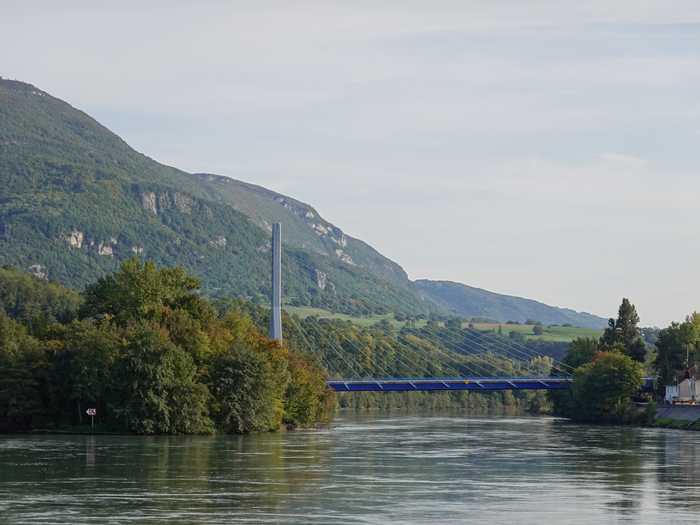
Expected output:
(410, 469)
(678, 472)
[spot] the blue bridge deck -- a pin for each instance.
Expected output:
(482, 384)
(478, 384)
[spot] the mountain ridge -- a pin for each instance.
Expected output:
(76, 200)
(472, 302)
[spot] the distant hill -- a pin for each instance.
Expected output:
(469, 302)
(76, 201)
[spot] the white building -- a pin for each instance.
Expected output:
(687, 391)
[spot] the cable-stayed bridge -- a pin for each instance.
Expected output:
(448, 359)
(475, 384)
(434, 358)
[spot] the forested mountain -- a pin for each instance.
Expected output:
(469, 302)
(76, 201)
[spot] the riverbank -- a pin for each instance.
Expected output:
(679, 417)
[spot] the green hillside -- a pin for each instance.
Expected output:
(304, 227)
(76, 200)
(551, 333)
(470, 302)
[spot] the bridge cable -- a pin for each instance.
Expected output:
(357, 347)
(404, 360)
(460, 363)
(298, 333)
(517, 345)
(511, 353)
(491, 366)
(519, 348)
(490, 350)
(399, 357)
(338, 352)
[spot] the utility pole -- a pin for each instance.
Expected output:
(276, 299)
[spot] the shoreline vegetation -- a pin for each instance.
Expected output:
(152, 356)
(609, 372)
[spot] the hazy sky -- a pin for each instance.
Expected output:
(543, 149)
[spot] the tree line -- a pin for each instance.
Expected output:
(145, 349)
(609, 372)
(151, 355)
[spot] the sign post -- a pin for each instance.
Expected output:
(92, 412)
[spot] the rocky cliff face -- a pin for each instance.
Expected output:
(166, 200)
(303, 226)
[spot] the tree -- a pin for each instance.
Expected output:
(307, 399)
(537, 329)
(625, 331)
(81, 365)
(22, 372)
(246, 390)
(582, 350)
(155, 385)
(602, 389)
(142, 291)
(677, 348)
(35, 302)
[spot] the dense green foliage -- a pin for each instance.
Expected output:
(605, 382)
(603, 389)
(35, 303)
(581, 351)
(678, 350)
(153, 357)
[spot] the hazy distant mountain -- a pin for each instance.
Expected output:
(76, 200)
(469, 302)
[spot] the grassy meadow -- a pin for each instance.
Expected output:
(561, 334)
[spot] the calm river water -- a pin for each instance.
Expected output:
(365, 469)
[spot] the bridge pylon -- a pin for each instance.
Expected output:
(276, 292)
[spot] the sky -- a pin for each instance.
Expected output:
(547, 149)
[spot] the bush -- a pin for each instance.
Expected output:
(602, 390)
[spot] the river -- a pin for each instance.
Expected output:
(362, 469)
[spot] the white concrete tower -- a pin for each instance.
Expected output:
(276, 313)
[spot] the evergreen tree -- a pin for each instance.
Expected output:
(625, 331)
